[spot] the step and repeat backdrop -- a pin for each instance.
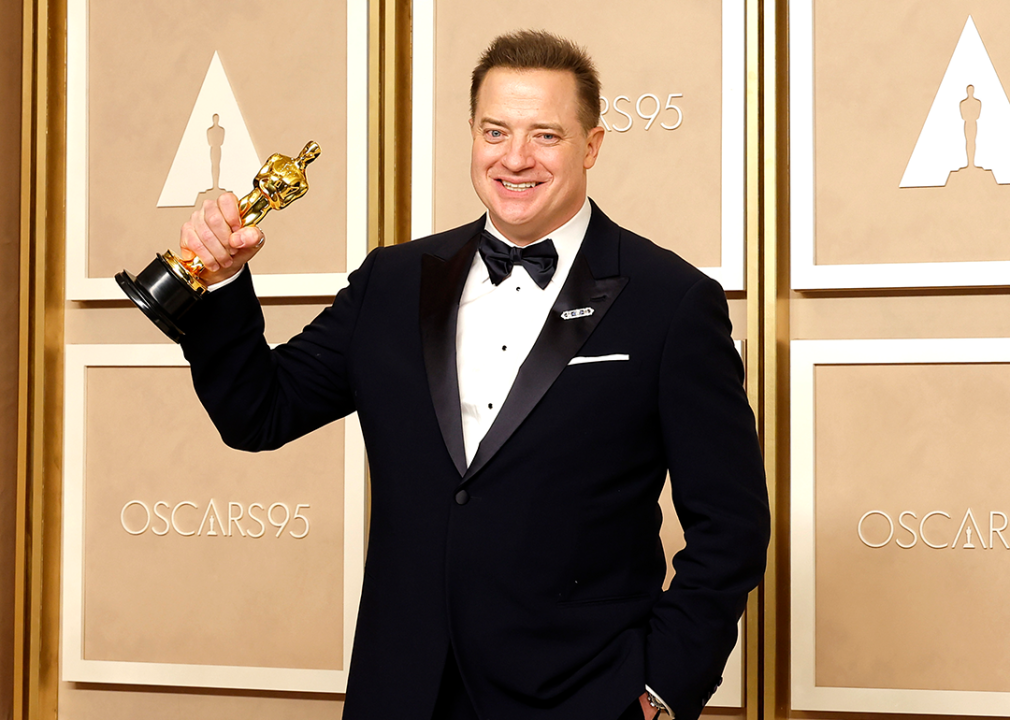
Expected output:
(202, 582)
(168, 107)
(198, 581)
(673, 72)
(900, 363)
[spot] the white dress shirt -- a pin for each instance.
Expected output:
(497, 326)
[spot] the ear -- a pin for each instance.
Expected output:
(594, 139)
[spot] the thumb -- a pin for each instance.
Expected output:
(246, 238)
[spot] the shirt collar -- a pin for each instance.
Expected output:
(567, 238)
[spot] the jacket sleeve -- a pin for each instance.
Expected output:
(261, 398)
(718, 484)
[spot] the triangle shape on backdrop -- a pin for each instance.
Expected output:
(941, 149)
(190, 173)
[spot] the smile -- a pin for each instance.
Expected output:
(518, 186)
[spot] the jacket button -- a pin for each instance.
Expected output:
(462, 497)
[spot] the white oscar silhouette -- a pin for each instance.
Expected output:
(969, 545)
(238, 161)
(944, 144)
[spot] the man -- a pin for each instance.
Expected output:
(521, 407)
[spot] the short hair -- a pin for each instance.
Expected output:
(541, 50)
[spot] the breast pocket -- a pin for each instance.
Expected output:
(615, 365)
(593, 359)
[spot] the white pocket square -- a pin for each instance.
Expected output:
(582, 359)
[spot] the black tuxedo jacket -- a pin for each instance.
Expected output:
(539, 565)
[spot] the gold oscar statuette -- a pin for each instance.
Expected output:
(169, 286)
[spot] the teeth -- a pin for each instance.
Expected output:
(518, 186)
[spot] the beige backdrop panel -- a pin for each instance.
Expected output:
(877, 68)
(664, 184)
(222, 600)
(979, 314)
(671, 533)
(92, 702)
(147, 61)
(918, 438)
(123, 324)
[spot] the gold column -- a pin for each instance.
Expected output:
(752, 629)
(775, 313)
(40, 386)
(391, 43)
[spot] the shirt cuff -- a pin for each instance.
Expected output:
(661, 700)
(218, 285)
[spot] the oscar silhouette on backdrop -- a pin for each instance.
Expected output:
(956, 143)
(971, 109)
(971, 174)
(215, 139)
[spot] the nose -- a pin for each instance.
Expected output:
(518, 155)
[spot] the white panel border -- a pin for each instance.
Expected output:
(81, 287)
(806, 273)
(806, 355)
(75, 668)
(731, 273)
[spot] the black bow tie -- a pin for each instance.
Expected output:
(540, 260)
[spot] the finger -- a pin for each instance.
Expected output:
(185, 233)
(190, 246)
(248, 237)
(228, 204)
(196, 236)
(242, 256)
(212, 233)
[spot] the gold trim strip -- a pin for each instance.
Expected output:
(755, 387)
(33, 215)
(49, 403)
(387, 54)
(22, 560)
(41, 310)
(390, 36)
(396, 120)
(776, 339)
(375, 188)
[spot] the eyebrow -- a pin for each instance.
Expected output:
(536, 126)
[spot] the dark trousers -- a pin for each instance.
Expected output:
(454, 704)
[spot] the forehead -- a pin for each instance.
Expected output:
(507, 89)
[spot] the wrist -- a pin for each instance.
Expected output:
(653, 705)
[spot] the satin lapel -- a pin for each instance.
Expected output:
(441, 287)
(557, 344)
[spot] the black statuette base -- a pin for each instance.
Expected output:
(161, 294)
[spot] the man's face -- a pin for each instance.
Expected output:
(530, 154)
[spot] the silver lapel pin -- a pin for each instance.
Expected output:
(578, 313)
